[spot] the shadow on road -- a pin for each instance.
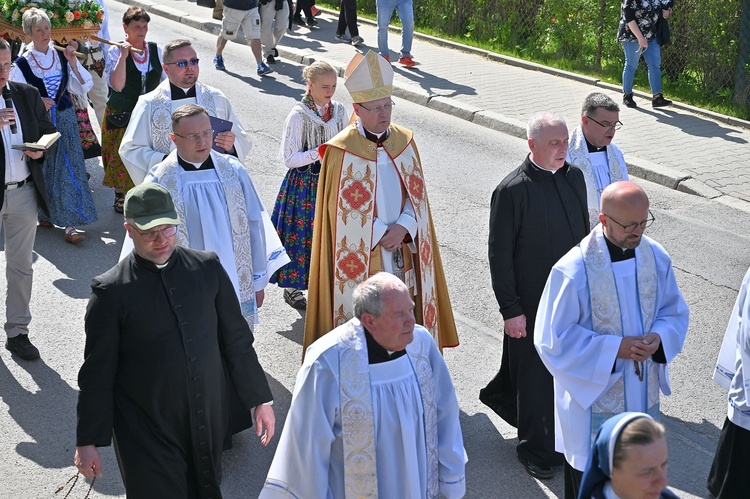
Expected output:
(694, 125)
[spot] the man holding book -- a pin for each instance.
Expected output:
(24, 119)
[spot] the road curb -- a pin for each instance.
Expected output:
(647, 170)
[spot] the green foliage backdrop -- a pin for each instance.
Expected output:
(707, 64)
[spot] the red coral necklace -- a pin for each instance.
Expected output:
(39, 65)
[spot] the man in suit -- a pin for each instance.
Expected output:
(24, 193)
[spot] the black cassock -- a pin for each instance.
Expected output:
(536, 217)
(159, 346)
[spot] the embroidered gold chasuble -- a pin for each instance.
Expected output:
(343, 254)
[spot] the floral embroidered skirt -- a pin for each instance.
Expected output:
(70, 199)
(293, 216)
(115, 173)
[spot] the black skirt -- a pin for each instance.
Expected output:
(729, 477)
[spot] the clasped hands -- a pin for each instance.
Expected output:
(639, 348)
(393, 237)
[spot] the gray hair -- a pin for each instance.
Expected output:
(368, 297)
(540, 120)
(597, 100)
(166, 52)
(32, 17)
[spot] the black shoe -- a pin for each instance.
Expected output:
(299, 21)
(275, 52)
(627, 99)
(271, 59)
(660, 101)
(538, 472)
(312, 22)
(21, 346)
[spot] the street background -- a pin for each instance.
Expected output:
(464, 160)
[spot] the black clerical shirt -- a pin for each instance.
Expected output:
(377, 354)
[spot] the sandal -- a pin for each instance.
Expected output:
(72, 235)
(119, 202)
(295, 298)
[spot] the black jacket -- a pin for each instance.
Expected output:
(161, 347)
(535, 218)
(35, 122)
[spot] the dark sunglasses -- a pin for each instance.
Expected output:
(184, 62)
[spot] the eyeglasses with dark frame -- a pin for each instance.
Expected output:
(379, 109)
(182, 63)
(193, 137)
(631, 227)
(616, 126)
(150, 237)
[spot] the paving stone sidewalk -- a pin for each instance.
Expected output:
(680, 147)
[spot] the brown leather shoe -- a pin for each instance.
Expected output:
(45, 224)
(72, 236)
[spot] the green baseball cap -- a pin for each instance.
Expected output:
(150, 205)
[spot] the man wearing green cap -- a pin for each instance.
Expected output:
(163, 332)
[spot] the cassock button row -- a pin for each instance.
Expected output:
(193, 359)
(197, 395)
(196, 378)
(199, 411)
(202, 427)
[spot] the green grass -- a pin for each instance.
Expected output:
(683, 90)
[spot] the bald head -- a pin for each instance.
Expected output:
(623, 213)
(624, 192)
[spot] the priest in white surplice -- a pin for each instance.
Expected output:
(219, 208)
(374, 412)
(146, 141)
(591, 149)
(610, 320)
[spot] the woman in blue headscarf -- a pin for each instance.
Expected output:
(628, 460)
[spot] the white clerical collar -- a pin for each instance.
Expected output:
(362, 130)
(196, 165)
(543, 169)
(184, 90)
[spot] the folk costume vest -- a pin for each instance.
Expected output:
(606, 318)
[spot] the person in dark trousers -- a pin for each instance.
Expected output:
(348, 20)
(166, 344)
(538, 213)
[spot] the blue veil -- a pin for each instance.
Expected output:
(599, 466)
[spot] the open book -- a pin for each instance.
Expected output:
(44, 143)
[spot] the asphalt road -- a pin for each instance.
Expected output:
(463, 163)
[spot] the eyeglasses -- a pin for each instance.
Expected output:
(5, 68)
(182, 63)
(379, 109)
(194, 137)
(631, 227)
(153, 235)
(616, 126)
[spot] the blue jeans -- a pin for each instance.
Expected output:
(652, 56)
(405, 11)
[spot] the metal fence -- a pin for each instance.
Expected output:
(707, 62)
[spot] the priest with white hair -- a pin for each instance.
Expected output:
(374, 412)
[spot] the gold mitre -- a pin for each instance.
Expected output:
(369, 77)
